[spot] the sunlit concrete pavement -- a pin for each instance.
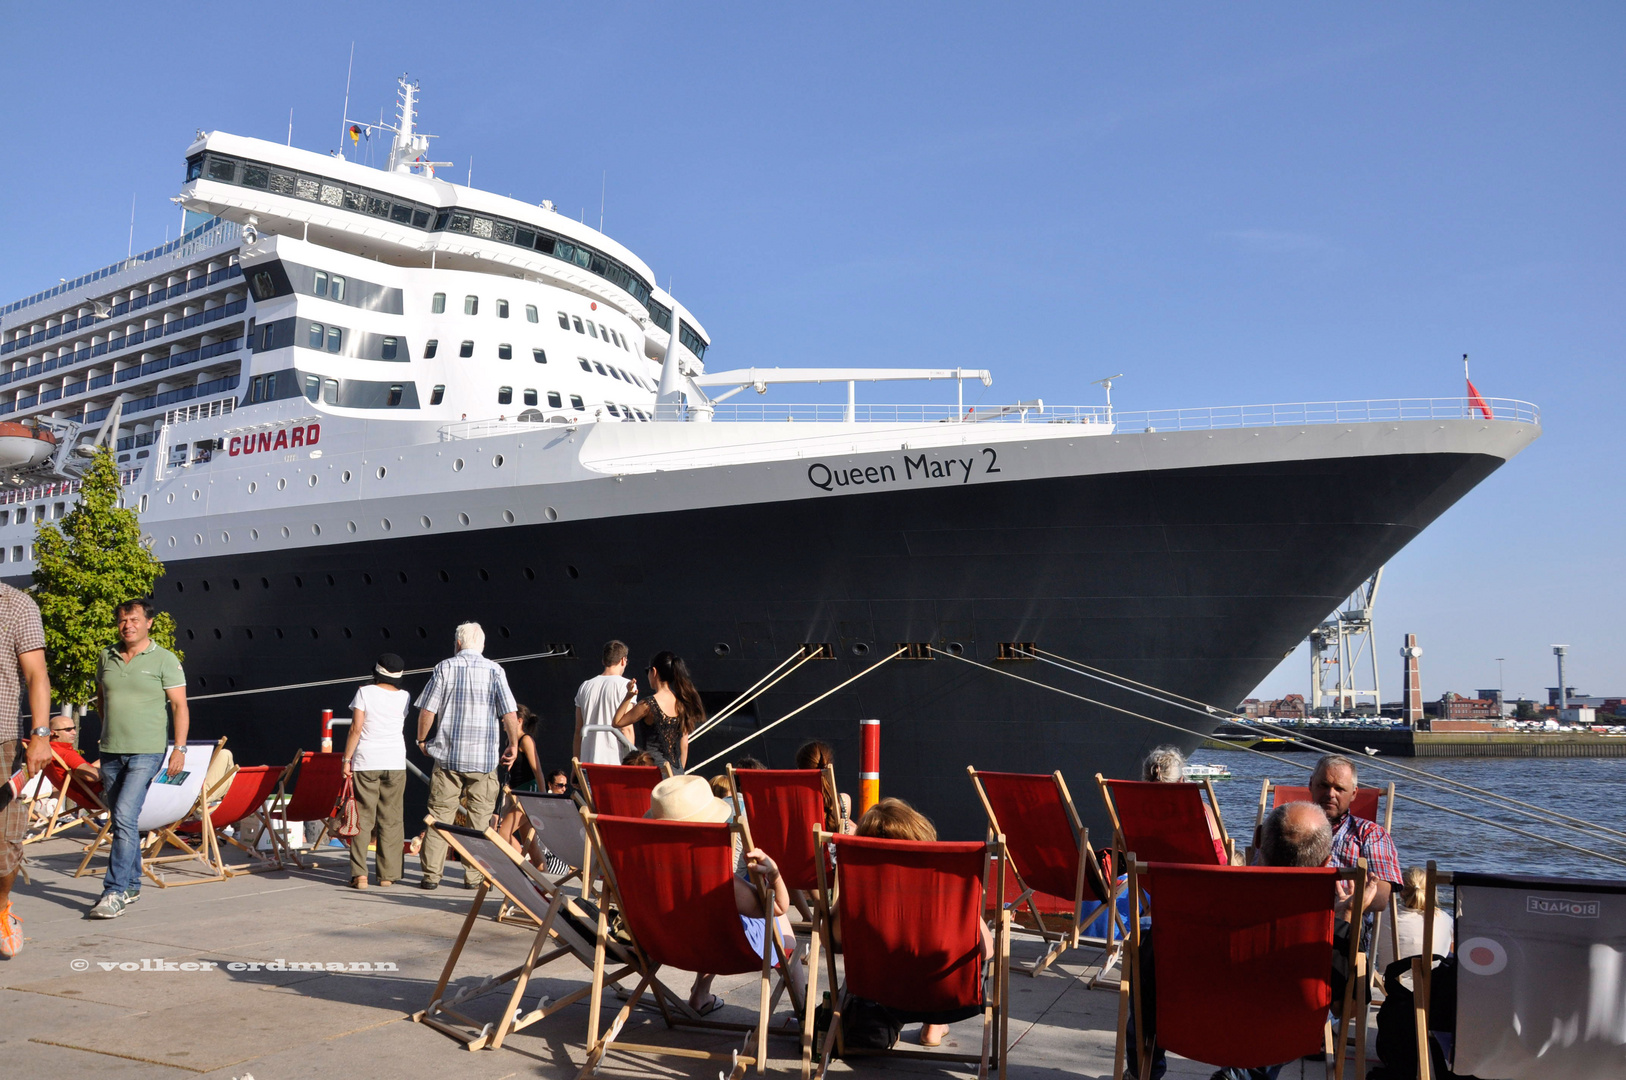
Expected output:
(67, 1015)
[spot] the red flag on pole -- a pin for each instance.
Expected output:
(1475, 401)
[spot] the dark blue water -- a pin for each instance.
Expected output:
(1593, 789)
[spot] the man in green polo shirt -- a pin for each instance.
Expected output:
(139, 684)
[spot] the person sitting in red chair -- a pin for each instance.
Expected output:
(88, 773)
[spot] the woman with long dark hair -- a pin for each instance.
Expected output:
(672, 710)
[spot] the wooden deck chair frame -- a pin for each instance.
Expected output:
(645, 969)
(287, 852)
(444, 1014)
(832, 809)
(579, 777)
(996, 1004)
(55, 823)
(1353, 1007)
(1059, 941)
(206, 854)
(257, 860)
(1121, 845)
(507, 911)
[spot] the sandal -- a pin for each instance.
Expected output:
(710, 1006)
(384, 883)
(358, 883)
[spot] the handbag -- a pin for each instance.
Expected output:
(346, 817)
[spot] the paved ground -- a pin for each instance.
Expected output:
(66, 1015)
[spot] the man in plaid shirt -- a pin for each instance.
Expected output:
(1332, 787)
(469, 694)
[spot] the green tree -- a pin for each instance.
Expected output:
(85, 566)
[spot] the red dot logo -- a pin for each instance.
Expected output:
(593, 305)
(1482, 956)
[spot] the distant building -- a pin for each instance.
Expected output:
(1456, 707)
(1291, 707)
(1496, 696)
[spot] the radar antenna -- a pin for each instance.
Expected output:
(409, 149)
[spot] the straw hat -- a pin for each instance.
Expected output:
(687, 798)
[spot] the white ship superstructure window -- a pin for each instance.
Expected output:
(318, 333)
(430, 347)
(335, 339)
(438, 305)
(395, 394)
(502, 309)
(505, 395)
(530, 313)
(330, 391)
(389, 348)
(505, 351)
(564, 321)
(438, 394)
(586, 365)
(553, 399)
(313, 390)
(530, 397)
(576, 403)
(590, 331)
(539, 355)
(471, 305)
(577, 320)
(466, 349)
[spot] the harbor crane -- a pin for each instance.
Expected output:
(1347, 634)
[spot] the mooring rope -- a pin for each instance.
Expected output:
(357, 678)
(1390, 767)
(793, 712)
(754, 691)
(1164, 723)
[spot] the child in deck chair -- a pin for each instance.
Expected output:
(894, 819)
(689, 798)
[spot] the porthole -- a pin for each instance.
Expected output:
(235, 584)
(247, 633)
(225, 538)
(312, 480)
(299, 582)
(203, 683)
(190, 636)
(282, 484)
(230, 682)
(344, 477)
(195, 493)
(860, 649)
(382, 472)
(279, 633)
(503, 630)
(314, 634)
(384, 523)
(330, 581)
(530, 575)
(285, 532)
(483, 575)
(366, 579)
(265, 583)
(170, 497)
(180, 586)
(316, 530)
(422, 632)
(551, 514)
(573, 572)
(444, 576)
(384, 632)
(424, 521)
(720, 649)
(206, 586)
(401, 574)
(457, 466)
(347, 632)
(496, 462)
(254, 534)
(217, 633)
(197, 538)
(462, 519)
(350, 526)
(253, 486)
(508, 516)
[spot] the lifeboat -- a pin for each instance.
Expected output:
(22, 445)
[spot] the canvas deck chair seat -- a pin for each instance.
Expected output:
(617, 790)
(1540, 977)
(1167, 823)
(566, 926)
(317, 785)
(163, 809)
(910, 915)
(1048, 850)
(556, 826)
(783, 808)
(75, 801)
(673, 882)
(1241, 973)
(246, 798)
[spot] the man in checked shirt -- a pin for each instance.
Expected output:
(470, 695)
(1332, 787)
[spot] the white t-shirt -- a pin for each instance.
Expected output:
(382, 745)
(1410, 931)
(598, 698)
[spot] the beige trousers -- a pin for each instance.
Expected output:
(449, 792)
(379, 808)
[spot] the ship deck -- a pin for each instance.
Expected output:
(167, 1024)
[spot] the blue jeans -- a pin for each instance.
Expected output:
(125, 778)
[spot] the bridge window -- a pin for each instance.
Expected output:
(582, 360)
(313, 388)
(590, 331)
(336, 292)
(320, 288)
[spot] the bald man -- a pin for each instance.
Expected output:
(1332, 787)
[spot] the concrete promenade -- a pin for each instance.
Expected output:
(65, 1016)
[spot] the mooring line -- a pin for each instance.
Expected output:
(357, 678)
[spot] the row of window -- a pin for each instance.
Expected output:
(613, 372)
(505, 396)
(21, 338)
(324, 190)
(505, 351)
(603, 333)
(596, 331)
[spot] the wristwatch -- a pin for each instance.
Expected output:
(40, 732)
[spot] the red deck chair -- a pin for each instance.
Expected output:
(1049, 849)
(85, 799)
(251, 787)
(617, 790)
(315, 796)
(1166, 823)
(1243, 959)
(782, 809)
(911, 939)
(673, 882)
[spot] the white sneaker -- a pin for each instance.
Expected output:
(110, 906)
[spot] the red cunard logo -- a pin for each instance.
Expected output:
(281, 439)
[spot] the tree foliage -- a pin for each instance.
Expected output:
(85, 566)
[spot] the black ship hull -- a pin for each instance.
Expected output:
(1195, 580)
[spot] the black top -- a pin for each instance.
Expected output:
(519, 773)
(666, 740)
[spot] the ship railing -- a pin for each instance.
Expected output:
(58, 488)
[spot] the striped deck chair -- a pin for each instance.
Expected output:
(673, 882)
(1539, 989)
(317, 786)
(1167, 823)
(911, 930)
(1048, 849)
(1241, 973)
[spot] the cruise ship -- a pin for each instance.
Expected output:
(355, 406)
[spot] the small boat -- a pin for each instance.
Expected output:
(22, 445)
(1206, 772)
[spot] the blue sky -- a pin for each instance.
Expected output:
(1229, 203)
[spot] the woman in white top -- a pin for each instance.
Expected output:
(375, 762)
(1409, 924)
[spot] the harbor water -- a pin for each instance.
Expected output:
(1592, 789)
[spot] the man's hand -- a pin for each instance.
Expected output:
(177, 761)
(39, 754)
(510, 754)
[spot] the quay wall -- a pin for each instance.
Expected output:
(1427, 744)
